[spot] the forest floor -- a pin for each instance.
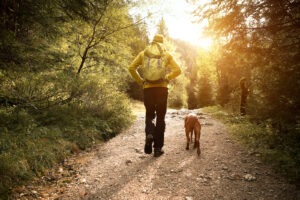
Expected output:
(119, 169)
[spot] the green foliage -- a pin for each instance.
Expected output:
(205, 76)
(191, 95)
(199, 70)
(259, 41)
(177, 88)
(205, 91)
(282, 151)
(33, 141)
(187, 55)
(177, 93)
(63, 76)
(138, 44)
(162, 28)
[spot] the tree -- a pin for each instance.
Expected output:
(187, 53)
(63, 69)
(138, 42)
(205, 73)
(263, 39)
(205, 96)
(162, 28)
(61, 36)
(34, 28)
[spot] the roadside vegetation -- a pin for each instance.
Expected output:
(63, 77)
(31, 142)
(282, 152)
(65, 84)
(64, 80)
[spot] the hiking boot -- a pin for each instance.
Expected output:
(158, 152)
(148, 144)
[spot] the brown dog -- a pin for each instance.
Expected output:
(191, 123)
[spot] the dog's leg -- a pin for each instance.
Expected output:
(187, 139)
(191, 139)
(195, 135)
(195, 140)
(198, 133)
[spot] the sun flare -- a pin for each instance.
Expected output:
(189, 33)
(192, 36)
(178, 18)
(205, 43)
(181, 26)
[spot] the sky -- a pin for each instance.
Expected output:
(179, 20)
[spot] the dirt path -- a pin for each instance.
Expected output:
(119, 169)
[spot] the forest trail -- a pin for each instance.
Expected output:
(118, 169)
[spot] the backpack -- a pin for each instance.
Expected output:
(154, 69)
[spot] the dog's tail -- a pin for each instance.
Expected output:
(185, 122)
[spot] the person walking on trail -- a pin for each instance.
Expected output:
(244, 94)
(154, 61)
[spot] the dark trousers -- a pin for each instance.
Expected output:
(243, 105)
(155, 100)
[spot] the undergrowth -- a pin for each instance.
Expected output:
(31, 142)
(281, 150)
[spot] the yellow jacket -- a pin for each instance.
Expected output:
(139, 61)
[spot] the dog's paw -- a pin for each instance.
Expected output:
(198, 152)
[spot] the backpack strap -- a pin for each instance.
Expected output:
(158, 62)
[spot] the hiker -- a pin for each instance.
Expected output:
(154, 60)
(244, 94)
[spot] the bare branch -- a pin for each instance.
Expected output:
(103, 36)
(78, 45)
(84, 56)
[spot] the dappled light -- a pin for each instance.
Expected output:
(111, 82)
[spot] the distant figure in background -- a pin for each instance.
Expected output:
(154, 61)
(244, 94)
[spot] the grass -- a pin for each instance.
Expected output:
(282, 151)
(33, 142)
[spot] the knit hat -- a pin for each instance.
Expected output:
(158, 38)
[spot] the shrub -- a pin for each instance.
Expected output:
(33, 141)
(282, 151)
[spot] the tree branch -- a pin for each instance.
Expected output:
(84, 56)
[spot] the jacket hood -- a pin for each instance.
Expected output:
(154, 50)
(158, 38)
